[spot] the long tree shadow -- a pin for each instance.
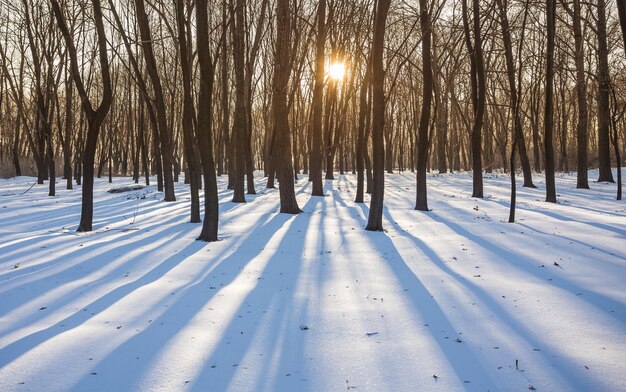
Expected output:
(271, 308)
(27, 246)
(90, 249)
(611, 306)
(28, 342)
(521, 331)
(57, 281)
(187, 303)
(140, 227)
(462, 359)
(563, 218)
(571, 240)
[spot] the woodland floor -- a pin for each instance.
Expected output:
(449, 300)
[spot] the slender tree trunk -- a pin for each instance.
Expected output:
(94, 117)
(159, 102)
(239, 125)
(281, 154)
(514, 93)
(421, 200)
(69, 131)
(204, 129)
(615, 142)
(604, 111)
(549, 104)
(478, 93)
(316, 153)
(581, 91)
(15, 151)
(361, 144)
(224, 82)
(375, 219)
(190, 153)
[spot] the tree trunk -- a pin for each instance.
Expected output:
(281, 154)
(621, 10)
(549, 104)
(581, 91)
(604, 112)
(361, 144)
(159, 102)
(94, 117)
(421, 200)
(316, 153)
(478, 94)
(205, 124)
(190, 153)
(239, 121)
(375, 219)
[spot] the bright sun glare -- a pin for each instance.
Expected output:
(337, 71)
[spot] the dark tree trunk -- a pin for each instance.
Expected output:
(478, 94)
(604, 111)
(15, 151)
(549, 108)
(581, 91)
(361, 144)
(375, 219)
(205, 124)
(421, 200)
(615, 142)
(281, 154)
(516, 107)
(369, 182)
(239, 125)
(224, 94)
(190, 153)
(159, 102)
(514, 94)
(94, 117)
(69, 131)
(316, 152)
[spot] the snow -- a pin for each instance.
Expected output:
(448, 300)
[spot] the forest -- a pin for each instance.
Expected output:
(382, 145)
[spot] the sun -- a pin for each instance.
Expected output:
(337, 71)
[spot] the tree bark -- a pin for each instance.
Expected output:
(95, 117)
(204, 128)
(361, 144)
(421, 199)
(581, 93)
(187, 124)
(316, 153)
(159, 102)
(478, 94)
(375, 218)
(549, 104)
(239, 121)
(281, 155)
(604, 111)
(514, 94)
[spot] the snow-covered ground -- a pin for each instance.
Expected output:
(453, 299)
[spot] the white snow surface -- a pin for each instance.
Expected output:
(454, 299)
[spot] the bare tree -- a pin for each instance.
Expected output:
(549, 104)
(204, 129)
(375, 219)
(281, 149)
(96, 116)
(421, 200)
(316, 154)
